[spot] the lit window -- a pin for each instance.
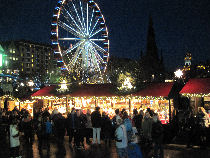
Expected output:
(14, 58)
(13, 51)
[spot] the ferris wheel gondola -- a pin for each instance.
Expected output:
(80, 38)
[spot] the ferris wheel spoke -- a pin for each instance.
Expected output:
(69, 50)
(69, 15)
(97, 61)
(94, 27)
(69, 39)
(75, 57)
(78, 16)
(91, 19)
(98, 47)
(84, 57)
(83, 20)
(69, 28)
(87, 20)
(97, 39)
(98, 57)
(96, 32)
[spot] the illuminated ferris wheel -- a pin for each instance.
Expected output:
(80, 38)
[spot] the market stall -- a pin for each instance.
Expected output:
(45, 98)
(88, 96)
(198, 91)
(155, 97)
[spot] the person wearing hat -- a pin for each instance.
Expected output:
(96, 123)
(121, 139)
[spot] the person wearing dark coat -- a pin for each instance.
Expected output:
(106, 128)
(70, 125)
(96, 123)
(59, 125)
(157, 137)
(28, 129)
(39, 127)
(137, 119)
(190, 129)
(3, 129)
(88, 129)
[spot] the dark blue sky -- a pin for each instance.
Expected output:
(180, 25)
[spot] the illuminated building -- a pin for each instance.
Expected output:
(28, 58)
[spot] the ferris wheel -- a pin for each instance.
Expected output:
(80, 38)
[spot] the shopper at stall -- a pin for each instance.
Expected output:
(3, 128)
(70, 125)
(88, 130)
(114, 121)
(59, 125)
(96, 123)
(45, 113)
(128, 125)
(137, 120)
(157, 136)
(106, 129)
(48, 132)
(147, 127)
(27, 126)
(39, 128)
(202, 123)
(14, 139)
(115, 118)
(121, 139)
(82, 127)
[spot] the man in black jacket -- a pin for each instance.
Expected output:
(70, 125)
(96, 123)
(157, 136)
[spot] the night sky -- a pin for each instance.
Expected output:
(180, 26)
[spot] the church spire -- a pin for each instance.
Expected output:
(152, 49)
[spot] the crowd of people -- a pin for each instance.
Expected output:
(130, 133)
(81, 128)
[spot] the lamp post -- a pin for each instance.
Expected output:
(178, 73)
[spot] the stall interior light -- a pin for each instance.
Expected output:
(195, 95)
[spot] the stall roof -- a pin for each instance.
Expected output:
(197, 86)
(97, 90)
(86, 90)
(155, 90)
(44, 91)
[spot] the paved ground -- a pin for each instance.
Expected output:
(170, 151)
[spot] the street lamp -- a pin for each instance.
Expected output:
(178, 73)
